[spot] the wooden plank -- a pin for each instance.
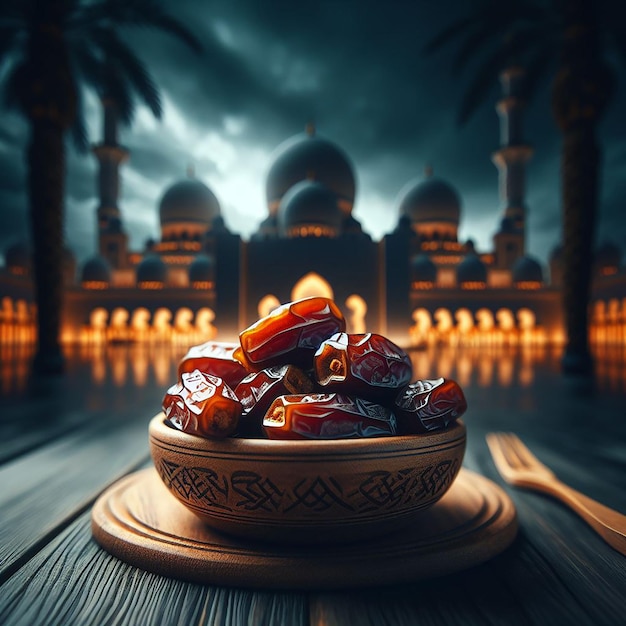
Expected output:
(562, 552)
(73, 581)
(44, 489)
(557, 572)
(58, 407)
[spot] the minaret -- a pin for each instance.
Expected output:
(112, 241)
(511, 159)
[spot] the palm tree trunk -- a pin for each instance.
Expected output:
(46, 174)
(580, 167)
(581, 91)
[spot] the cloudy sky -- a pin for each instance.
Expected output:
(354, 68)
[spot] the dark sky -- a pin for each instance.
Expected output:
(356, 69)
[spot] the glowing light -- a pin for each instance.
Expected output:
(358, 308)
(422, 284)
(94, 284)
(267, 304)
(312, 284)
(150, 284)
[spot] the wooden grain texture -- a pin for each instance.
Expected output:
(41, 490)
(73, 581)
(557, 572)
(141, 523)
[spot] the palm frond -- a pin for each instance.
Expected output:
(8, 40)
(448, 34)
(118, 90)
(78, 131)
(177, 29)
(473, 43)
(13, 86)
(537, 66)
(481, 84)
(502, 55)
(135, 13)
(126, 63)
(88, 64)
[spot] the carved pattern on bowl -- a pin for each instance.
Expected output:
(248, 491)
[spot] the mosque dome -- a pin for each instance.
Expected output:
(201, 270)
(308, 156)
(18, 258)
(188, 201)
(424, 269)
(471, 271)
(607, 258)
(527, 270)
(96, 270)
(431, 200)
(310, 208)
(152, 271)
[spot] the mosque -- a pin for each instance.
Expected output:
(419, 284)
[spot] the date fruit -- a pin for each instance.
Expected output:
(366, 365)
(327, 416)
(216, 358)
(427, 405)
(202, 404)
(258, 390)
(290, 334)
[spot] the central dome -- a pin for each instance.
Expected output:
(432, 200)
(188, 201)
(309, 207)
(309, 156)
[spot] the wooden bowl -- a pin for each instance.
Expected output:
(307, 491)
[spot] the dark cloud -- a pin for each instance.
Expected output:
(357, 69)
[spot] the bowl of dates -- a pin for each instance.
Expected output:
(304, 433)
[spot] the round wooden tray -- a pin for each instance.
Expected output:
(140, 522)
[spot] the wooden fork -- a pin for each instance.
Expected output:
(519, 467)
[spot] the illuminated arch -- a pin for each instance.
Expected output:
(161, 323)
(140, 324)
(443, 317)
(267, 304)
(7, 309)
(312, 284)
(358, 308)
(119, 318)
(422, 326)
(612, 311)
(506, 321)
(464, 321)
(485, 320)
(140, 319)
(98, 318)
(21, 312)
(204, 323)
(526, 319)
(183, 319)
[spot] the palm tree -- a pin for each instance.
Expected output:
(571, 38)
(49, 51)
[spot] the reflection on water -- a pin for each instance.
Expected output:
(143, 365)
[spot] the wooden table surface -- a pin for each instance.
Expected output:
(63, 441)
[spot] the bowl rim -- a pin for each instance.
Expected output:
(159, 432)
